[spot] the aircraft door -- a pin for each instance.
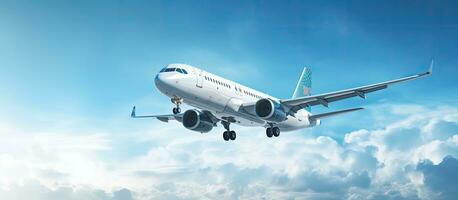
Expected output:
(238, 90)
(199, 78)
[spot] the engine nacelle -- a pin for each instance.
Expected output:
(270, 111)
(197, 121)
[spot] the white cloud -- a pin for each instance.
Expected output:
(33, 190)
(51, 157)
(180, 164)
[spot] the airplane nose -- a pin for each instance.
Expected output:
(163, 82)
(159, 81)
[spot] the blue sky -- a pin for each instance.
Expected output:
(72, 71)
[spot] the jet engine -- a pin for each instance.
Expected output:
(197, 121)
(270, 110)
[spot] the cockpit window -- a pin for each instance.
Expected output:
(179, 70)
(169, 70)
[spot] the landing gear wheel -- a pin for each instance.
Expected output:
(177, 101)
(226, 135)
(276, 131)
(176, 110)
(269, 132)
(232, 135)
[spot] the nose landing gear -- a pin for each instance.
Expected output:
(177, 101)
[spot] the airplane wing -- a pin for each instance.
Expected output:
(164, 118)
(324, 99)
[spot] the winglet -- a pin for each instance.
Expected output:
(430, 70)
(133, 113)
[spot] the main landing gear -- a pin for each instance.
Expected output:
(228, 134)
(176, 110)
(177, 101)
(273, 131)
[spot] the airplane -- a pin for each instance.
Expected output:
(219, 100)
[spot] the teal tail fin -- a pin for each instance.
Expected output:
(304, 85)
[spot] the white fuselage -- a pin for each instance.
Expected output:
(222, 97)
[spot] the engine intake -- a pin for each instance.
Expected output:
(197, 121)
(269, 110)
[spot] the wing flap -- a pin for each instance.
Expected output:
(330, 114)
(333, 98)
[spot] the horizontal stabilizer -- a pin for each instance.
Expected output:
(164, 118)
(329, 114)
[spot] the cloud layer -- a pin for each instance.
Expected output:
(412, 158)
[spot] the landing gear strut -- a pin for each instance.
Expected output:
(177, 101)
(273, 131)
(228, 134)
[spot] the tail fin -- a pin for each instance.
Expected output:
(304, 85)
